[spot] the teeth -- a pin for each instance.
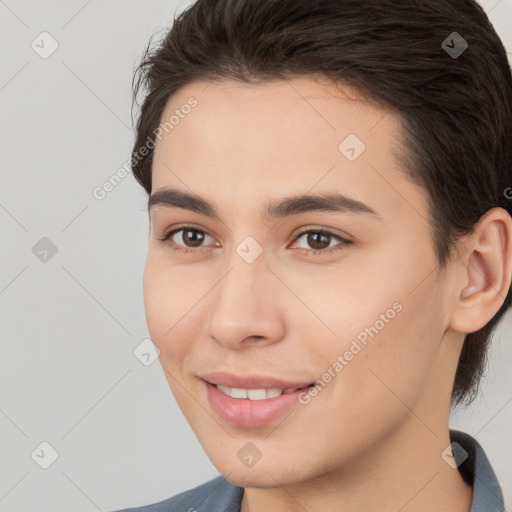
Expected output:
(271, 393)
(238, 393)
(256, 394)
(253, 394)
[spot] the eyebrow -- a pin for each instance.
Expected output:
(294, 205)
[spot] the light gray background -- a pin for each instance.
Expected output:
(69, 326)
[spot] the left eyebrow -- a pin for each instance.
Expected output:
(285, 207)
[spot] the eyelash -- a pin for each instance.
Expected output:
(167, 239)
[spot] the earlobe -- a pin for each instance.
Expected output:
(485, 272)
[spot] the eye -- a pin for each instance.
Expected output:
(320, 241)
(190, 239)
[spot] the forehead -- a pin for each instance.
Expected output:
(241, 116)
(252, 141)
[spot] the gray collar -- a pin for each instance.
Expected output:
(477, 471)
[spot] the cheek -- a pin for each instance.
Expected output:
(169, 293)
(166, 304)
(387, 325)
(394, 360)
(163, 312)
(155, 298)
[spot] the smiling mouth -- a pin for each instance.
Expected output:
(252, 407)
(256, 394)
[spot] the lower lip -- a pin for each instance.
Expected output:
(250, 413)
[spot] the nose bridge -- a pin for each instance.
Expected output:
(244, 303)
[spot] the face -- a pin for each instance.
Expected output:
(255, 288)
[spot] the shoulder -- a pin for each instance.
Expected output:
(216, 495)
(473, 464)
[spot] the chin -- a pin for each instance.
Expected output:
(263, 479)
(261, 475)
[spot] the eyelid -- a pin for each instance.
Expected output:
(316, 229)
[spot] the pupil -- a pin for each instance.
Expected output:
(313, 240)
(194, 237)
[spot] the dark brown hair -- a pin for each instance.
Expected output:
(456, 110)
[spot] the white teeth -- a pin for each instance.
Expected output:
(238, 393)
(256, 394)
(224, 389)
(271, 393)
(253, 394)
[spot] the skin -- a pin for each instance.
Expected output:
(372, 438)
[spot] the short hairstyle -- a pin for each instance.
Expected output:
(455, 108)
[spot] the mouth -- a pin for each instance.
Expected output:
(252, 382)
(256, 403)
(258, 393)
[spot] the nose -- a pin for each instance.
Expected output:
(247, 306)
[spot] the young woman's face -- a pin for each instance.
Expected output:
(239, 290)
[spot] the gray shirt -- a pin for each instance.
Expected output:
(219, 495)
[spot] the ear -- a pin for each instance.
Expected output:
(483, 274)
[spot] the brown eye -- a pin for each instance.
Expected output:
(319, 242)
(188, 239)
(192, 237)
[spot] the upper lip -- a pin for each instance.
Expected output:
(251, 381)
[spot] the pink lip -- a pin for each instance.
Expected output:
(250, 413)
(251, 381)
